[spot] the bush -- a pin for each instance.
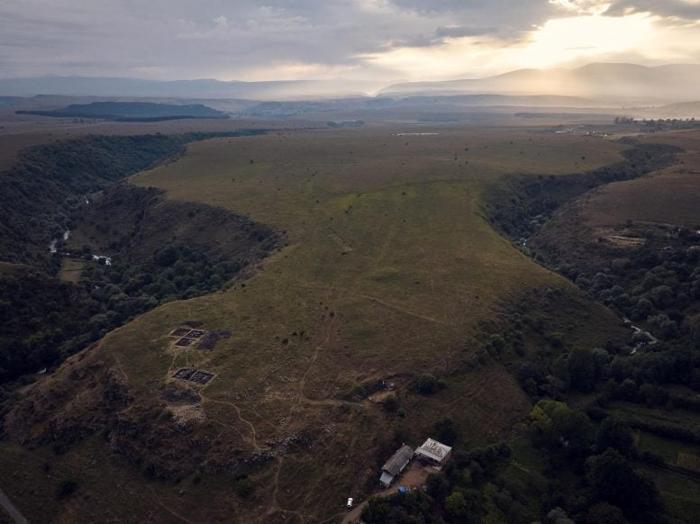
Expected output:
(244, 487)
(66, 489)
(615, 481)
(615, 434)
(437, 486)
(391, 404)
(427, 384)
(603, 513)
(446, 432)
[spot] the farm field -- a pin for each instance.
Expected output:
(390, 270)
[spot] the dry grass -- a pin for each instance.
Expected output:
(71, 269)
(647, 199)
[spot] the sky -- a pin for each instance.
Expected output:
(362, 40)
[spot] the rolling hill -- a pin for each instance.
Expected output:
(602, 82)
(131, 111)
(599, 81)
(391, 271)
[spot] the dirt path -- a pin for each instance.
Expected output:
(253, 434)
(11, 509)
(379, 301)
(168, 509)
(331, 325)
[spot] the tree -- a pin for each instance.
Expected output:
(561, 428)
(66, 489)
(446, 432)
(615, 481)
(582, 365)
(615, 434)
(604, 513)
(662, 296)
(427, 384)
(244, 487)
(663, 326)
(391, 404)
(464, 506)
(437, 486)
(456, 505)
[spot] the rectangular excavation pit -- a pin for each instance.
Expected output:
(201, 377)
(184, 342)
(179, 332)
(184, 373)
(194, 375)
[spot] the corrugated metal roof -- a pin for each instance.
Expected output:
(434, 450)
(398, 460)
(386, 479)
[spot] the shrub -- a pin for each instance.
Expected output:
(244, 487)
(391, 404)
(66, 488)
(614, 433)
(427, 384)
(615, 481)
(446, 432)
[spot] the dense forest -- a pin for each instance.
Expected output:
(49, 184)
(591, 404)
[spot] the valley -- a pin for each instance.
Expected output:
(386, 268)
(350, 262)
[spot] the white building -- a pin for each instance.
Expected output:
(434, 452)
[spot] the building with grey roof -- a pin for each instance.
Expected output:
(395, 465)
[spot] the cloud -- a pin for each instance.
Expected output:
(364, 39)
(588, 7)
(683, 9)
(461, 31)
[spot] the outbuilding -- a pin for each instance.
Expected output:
(434, 453)
(395, 465)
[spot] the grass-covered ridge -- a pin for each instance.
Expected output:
(132, 111)
(390, 272)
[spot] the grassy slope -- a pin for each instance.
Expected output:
(390, 269)
(646, 199)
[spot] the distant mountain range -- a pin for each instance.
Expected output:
(608, 82)
(205, 88)
(598, 85)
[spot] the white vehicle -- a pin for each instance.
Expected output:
(349, 503)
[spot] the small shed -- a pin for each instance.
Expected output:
(434, 452)
(395, 465)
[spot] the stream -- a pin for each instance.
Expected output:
(54, 249)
